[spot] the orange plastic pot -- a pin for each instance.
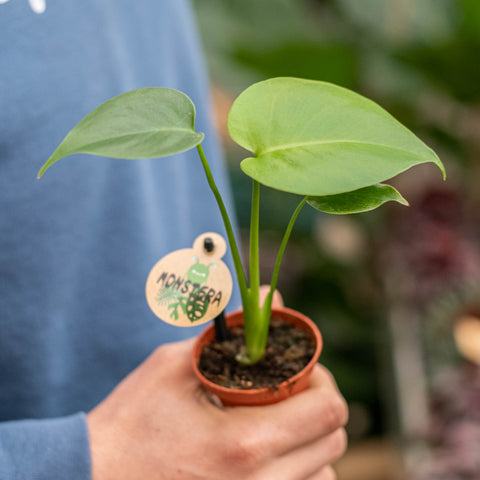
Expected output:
(260, 396)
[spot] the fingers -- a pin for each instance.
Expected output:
(156, 406)
(170, 366)
(277, 300)
(326, 473)
(309, 461)
(173, 356)
(301, 419)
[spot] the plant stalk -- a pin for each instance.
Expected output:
(242, 282)
(254, 240)
(256, 319)
(251, 315)
(257, 339)
(286, 237)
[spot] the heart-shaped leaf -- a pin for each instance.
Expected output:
(142, 123)
(362, 200)
(315, 138)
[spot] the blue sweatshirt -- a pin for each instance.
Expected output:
(76, 246)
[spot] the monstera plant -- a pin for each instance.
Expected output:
(330, 146)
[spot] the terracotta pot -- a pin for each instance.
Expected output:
(261, 396)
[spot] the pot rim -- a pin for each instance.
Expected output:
(234, 316)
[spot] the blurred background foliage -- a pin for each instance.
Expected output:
(421, 61)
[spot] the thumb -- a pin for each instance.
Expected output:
(277, 301)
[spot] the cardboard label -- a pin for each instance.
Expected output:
(191, 286)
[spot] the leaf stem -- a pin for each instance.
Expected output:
(242, 283)
(254, 243)
(256, 318)
(251, 306)
(281, 251)
(256, 329)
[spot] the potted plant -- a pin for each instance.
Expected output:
(327, 144)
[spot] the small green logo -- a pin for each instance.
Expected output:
(188, 293)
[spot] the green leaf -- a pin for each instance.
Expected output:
(315, 138)
(143, 123)
(362, 200)
(167, 295)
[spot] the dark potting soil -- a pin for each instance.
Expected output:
(289, 349)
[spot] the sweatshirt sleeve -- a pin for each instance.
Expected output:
(47, 449)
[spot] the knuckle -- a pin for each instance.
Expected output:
(328, 473)
(326, 372)
(339, 443)
(327, 375)
(159, 354)
(163, 353)
(336, 412)
(244, 451)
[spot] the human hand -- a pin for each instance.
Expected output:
(277, 299)
(158, 424)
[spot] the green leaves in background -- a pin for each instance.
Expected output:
(362, 200)
(451, 67)
(143, 123)
(333, 62)
(315, 138)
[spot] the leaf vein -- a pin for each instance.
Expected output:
(291, 146)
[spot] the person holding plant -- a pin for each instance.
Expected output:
(75, 253)
(145, 430)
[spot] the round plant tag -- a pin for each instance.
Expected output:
(191, 286)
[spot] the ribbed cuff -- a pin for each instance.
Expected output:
(47, 449)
